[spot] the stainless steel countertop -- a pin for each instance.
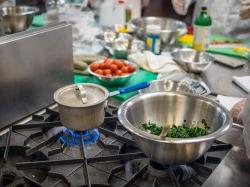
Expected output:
(234, 170)
(218, 77)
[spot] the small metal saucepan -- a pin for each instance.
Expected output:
(81, 106)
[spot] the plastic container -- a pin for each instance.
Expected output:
(112, 12)
(202, 30)
(133, 9)
(119, 12)
(154, 38)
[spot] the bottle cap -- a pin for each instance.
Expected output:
(203, 8)
(121, 1)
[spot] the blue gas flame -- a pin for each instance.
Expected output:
(73, 138)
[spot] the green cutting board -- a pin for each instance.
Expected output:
(227, 51)
(223, 51)
(38, 20)
(140, 76)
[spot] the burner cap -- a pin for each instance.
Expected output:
(181, 173)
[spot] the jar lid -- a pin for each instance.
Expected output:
(69, 95)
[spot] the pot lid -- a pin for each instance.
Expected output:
(70, 96)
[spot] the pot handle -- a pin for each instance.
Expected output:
(134, 87)
(237, 126)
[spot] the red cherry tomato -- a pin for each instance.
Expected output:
(125, 69)
(99, 72)
(119, 64)
(107, 64)
(106, 60)
(94, 66)
(131, 68)
(102, 66)
(113, 67)
(118, 72)
(107, 72)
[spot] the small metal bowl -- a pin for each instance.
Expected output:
(17, 18)
(114, 80)
(186, 58)
(123, 43)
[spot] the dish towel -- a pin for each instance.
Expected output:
(243, 82)
(155, 63)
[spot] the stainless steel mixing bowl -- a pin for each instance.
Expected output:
(173, 108)
(17, 18)
(170, 28)
(192, 61)
(167, 85)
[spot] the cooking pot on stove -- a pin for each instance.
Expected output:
(81, 106)
(77, 115)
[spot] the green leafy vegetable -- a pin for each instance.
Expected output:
(152, 128)
(177, 132)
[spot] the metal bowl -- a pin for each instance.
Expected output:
(192, 61)
(114, 80)
(17, 18)
(124, 42)
(173, 108)
(167, 86)
(170, 28)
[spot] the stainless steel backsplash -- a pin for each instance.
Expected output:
(33, 64)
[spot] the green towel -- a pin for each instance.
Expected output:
(140, 76)
(38, 21)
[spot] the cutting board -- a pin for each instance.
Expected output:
(188, 40)
(227, 51)
(140, 76)
(38, 20)
(230, 61)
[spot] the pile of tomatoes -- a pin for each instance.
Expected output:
(112, 67)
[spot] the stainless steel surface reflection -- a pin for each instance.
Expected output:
(30, 73)
(167, 85)
(173, 108)
(17, 18)
(170, 28)
(233, 171)
(192, 61)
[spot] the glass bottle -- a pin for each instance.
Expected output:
(202, 27)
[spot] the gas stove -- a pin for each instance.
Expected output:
(42, 152)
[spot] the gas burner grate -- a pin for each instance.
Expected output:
(10, 176)
(73, 138)
(125, 154)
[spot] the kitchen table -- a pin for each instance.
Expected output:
(219, 79)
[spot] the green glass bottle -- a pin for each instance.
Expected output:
(202, 27)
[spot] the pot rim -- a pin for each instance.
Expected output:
(142, 134)
(58, 91)
(30, 10)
